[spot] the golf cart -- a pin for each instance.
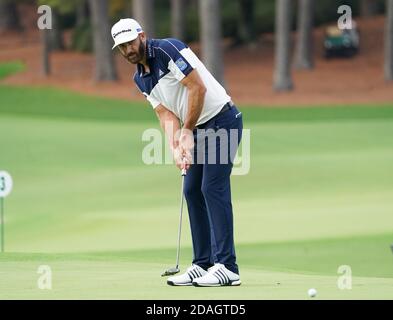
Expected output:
(341, 43)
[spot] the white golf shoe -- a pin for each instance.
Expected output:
(217, 276)
(186, 278)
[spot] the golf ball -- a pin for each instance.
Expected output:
(312, 292)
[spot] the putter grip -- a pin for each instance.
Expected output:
(183, 171)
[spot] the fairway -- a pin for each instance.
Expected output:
(319, 195)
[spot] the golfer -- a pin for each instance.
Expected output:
(188, 100)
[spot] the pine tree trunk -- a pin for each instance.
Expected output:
(178, 14)
(55, 34)
(388, 65)
(210, 28)
(246, 29)
(304, 46)
(45, 52)
(143, 12)
(104, 62)
(9, 17)
(282, 74)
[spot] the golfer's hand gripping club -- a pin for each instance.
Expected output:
(184, 170)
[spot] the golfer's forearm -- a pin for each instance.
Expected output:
(196, 98)
(171, 125)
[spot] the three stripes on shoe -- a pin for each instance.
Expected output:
(195, 273)
(221, 276)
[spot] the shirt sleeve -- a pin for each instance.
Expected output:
(154, 102)
(170, 53)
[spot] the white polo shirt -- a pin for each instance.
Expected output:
(170, 60)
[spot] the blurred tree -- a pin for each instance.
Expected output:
(388, 65)
(246, 24)
(55, 35)
(210, 34)
(119, 9)
(82, 14)
(104, 62)
(368, 8)
(47, 16)
(9, 17)
(82, 39)
(304, 45)
(45, 52)
(178, 18)
(143, 12)
(282, 80)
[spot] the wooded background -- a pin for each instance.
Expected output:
(241, 22)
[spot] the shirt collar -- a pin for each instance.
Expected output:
(149, 55)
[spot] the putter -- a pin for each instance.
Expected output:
(174, 270)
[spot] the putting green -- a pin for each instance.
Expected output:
(319, 194)
(132, 280)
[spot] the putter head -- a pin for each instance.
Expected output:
(170, 272)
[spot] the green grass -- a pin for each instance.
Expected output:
(319, 195)
(62, 104)
(8, 68)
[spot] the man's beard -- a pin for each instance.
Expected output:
(137, 57)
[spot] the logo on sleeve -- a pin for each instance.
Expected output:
(160, 73)
(181, 64)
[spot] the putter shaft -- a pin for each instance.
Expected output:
(183, 173)
(176, 269)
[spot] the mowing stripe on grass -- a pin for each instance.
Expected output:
(51, 102)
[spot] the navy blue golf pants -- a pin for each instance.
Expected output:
(208, 191)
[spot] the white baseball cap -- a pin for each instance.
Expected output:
(125, 30)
